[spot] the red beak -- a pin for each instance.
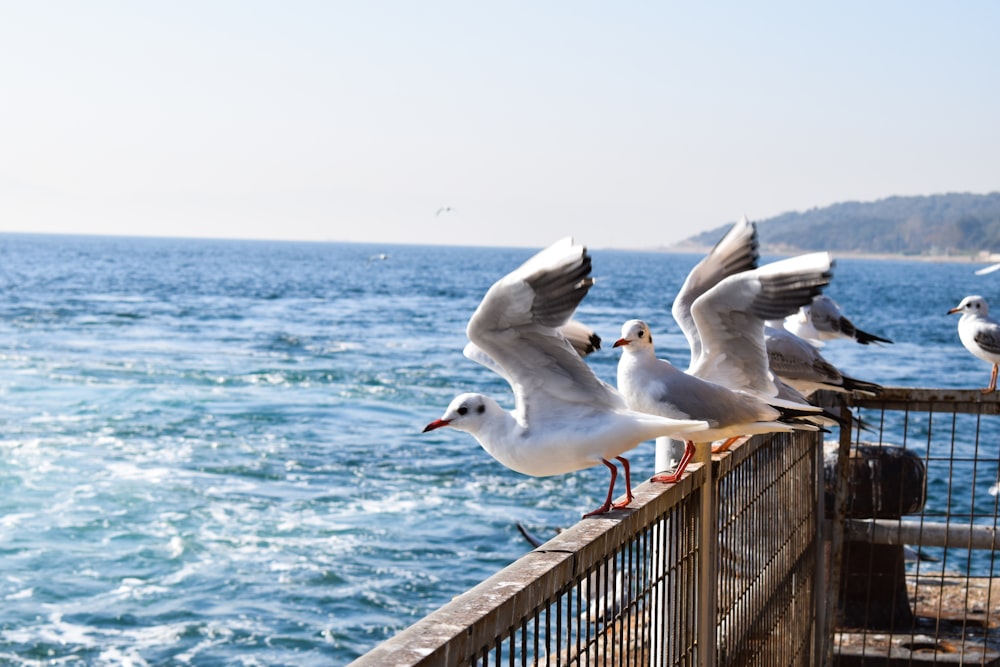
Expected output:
(620, 342)
(437, 423)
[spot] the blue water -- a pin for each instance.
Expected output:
(211, 450)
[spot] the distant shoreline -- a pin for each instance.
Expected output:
(983, 258)
(944, 259)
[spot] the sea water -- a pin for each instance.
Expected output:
(211, 451)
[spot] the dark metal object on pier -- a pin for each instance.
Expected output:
(885, 482)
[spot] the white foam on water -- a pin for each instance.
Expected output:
(175, 548)
(23, 594)
(134, 588)
(231, 486)
(13, 520)
(126, 470)
(401, 502)
(185, 572)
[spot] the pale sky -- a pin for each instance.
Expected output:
(624, 124)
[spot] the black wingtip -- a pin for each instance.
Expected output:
(866, 338)
(532, 539)
(854, 384)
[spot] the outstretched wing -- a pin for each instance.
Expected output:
(730, 319)
(583, 339)
(517, 326)
(737, 251)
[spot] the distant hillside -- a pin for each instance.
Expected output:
(948, 224)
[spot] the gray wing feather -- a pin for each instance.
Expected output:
(988, 337)
(735, 252)
(731, 317)
(517, 326)
(478, 355)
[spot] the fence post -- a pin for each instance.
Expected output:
(840, 501)
(823, 628)
(708, 559)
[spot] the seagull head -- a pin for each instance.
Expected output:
(466, 413)
(636, 335)
(974, 304)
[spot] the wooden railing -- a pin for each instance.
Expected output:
(721, 568)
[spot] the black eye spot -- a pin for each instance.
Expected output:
(481, 409)
(641, 333)
(462, 410)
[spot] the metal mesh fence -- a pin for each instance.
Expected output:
(768, 542)
(734, 542)
(918, 475)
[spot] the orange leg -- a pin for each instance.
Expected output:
(606, 507)
(676, 474)
(993, 381)
(628, 485)
(726, 445)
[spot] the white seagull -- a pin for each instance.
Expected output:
(987, 269)
(823, 320)
(722, 307)
(736, 252)
(799, 364)
(980, 333)
(656, 386)
(565, 418)
(727, 343)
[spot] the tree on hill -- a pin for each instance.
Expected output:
(947, 224)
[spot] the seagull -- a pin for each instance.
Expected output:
(443, 209)
(736, 252)
(727, 336)
(987, 269)
(656, 386)
(799, 364)
(722, 307)
(980, 333)
(565, 417)
(823, 320)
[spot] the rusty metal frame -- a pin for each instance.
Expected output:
(968, 632)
